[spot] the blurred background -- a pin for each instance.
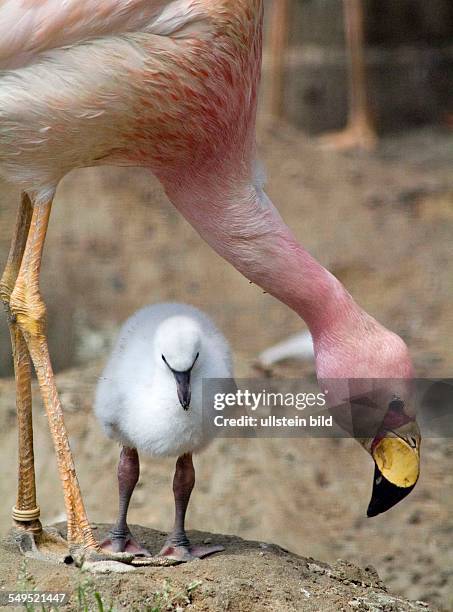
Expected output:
(377, 212)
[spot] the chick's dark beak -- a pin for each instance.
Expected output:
(183, 388)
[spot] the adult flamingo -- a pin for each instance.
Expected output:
(170, 85)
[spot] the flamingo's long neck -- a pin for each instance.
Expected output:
(245, 228)
(301, 282)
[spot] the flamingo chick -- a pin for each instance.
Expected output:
(149, 398)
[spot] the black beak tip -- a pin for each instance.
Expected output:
(185, 403)
(385, 494)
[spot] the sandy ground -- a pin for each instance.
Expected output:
(383, 225)
(247, 576)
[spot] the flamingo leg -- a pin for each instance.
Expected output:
(29, 314)
(120, 538)
(278, 44)
(26, 512)
(177, 545)
(360, 132)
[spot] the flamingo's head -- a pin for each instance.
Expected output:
(368, 374)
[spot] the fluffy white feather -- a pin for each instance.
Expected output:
(136, 399)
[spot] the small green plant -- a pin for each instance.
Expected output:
(26, 583)
(88, 597)
(171, 600)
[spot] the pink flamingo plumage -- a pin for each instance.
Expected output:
(170, 85)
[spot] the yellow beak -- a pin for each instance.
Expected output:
(397, 466)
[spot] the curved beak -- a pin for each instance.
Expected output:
(183, 388)
(396, 455)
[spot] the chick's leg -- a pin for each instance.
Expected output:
(120, 538)
(177, 545)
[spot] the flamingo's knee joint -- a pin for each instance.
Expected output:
(28, 310)
(6, 286)
(6, 289)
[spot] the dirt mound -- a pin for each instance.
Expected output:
(247, 576)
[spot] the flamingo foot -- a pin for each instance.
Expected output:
(183, 553)
(45, 545)
(359, 135)
(50, 546)
(116, 543)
